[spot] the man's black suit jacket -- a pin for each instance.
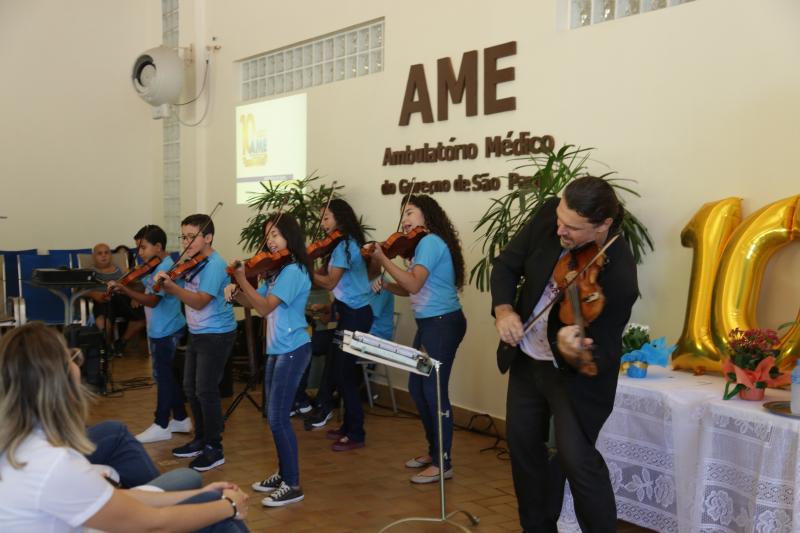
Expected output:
(533, 254)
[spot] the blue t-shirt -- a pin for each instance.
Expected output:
(353, 289)
(438, 296)
(383, 312)
(217, 316)
(286, 324)
(165, 318)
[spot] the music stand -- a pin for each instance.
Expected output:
(254, 369)
(381, 351)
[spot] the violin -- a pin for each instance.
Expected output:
(576, 275)
(400, 244)
(183, 269)
(138, 272)
(324, 246)
(264, 263)
(583, 298)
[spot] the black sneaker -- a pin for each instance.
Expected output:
(283, 495)
(210, 458)
(317, 420)
(301, 408)
(191, 449)
(119, 347)
(269, 484)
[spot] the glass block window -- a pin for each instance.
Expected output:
(171, 144)
(588, 12)
(350, 53)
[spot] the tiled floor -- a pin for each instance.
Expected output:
(357, 491)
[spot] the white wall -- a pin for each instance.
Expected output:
(79, 153)
(697, 102)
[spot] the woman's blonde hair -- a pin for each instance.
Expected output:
(37, 388)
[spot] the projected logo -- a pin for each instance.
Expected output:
(254, 142)
(270, 143)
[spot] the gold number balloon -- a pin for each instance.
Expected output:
(735, 259)
(707, 233)
(742, 266)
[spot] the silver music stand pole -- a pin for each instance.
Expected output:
(443, 517)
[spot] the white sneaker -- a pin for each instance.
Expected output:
(180, 426)
(154, 433)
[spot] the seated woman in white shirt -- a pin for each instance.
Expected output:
(46, 484)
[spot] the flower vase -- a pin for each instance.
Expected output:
(636, 369)
(753, 395)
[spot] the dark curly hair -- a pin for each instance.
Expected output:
(295, 240)
(594, 199)
(347, 221)
(437, 222)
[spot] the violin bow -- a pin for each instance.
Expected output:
(327, 205)
(405, 203)
(400, 220)
(571, 282)
(207, 222)
(178, 260)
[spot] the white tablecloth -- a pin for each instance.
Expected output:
(681, 459)
(747, 468)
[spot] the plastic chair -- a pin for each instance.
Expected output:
(12, 315)
(371, 369)
(12, 274)
(73, 254)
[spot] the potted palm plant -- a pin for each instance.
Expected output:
(303, 198)
(551, 173)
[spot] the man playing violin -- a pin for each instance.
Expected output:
(555, 371)
(212, 331)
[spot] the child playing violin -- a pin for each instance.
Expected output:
(165, 328)
(212, 331)
(432, 281)
(282, 301)
(346, 275)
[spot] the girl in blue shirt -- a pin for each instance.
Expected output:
(281, 300)
(165, 328)
(346, 275)
(432, 281)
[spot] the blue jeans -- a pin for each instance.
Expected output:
(347, 372)
(119, 449)
(206, 355)
(169, 398)
(281, 377)
(439, 337)
(229, 525)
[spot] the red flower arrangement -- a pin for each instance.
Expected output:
(751, 364)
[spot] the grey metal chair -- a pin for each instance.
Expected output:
(12, 310)
(379, 370)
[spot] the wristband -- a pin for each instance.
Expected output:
(235, 514)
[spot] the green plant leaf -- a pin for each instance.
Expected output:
(551, 172)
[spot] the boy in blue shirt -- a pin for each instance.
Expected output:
(212, 331)
(165, 325)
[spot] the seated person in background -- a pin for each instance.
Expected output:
(46, 484)
(114, 305)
